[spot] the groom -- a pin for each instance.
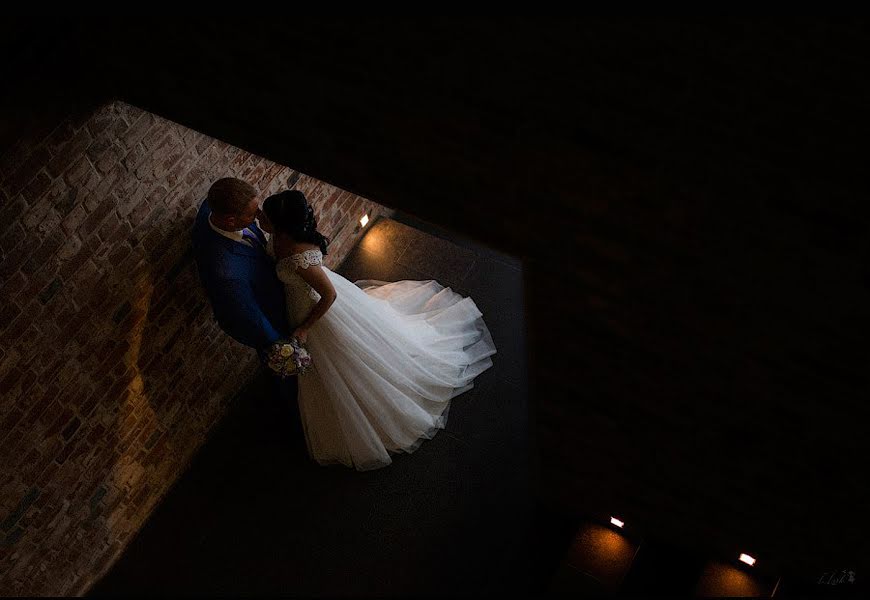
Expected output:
(239, 277)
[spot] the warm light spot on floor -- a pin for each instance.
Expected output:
(602, 553)
(375, 240)
(725, 580)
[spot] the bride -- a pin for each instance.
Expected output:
(387, 358)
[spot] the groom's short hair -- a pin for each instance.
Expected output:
(230, 196)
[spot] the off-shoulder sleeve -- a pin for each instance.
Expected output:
(288, 265)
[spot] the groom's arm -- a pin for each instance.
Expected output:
(241, 316)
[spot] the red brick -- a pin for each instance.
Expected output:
(110, 228)
(21, 323)
(139, 213)
(79, 394)
(45, 251)
(13, 261)
(204, 144)
(30, 343)
(36, 214)
(13, 236)
(102, 119)
(189, 137)
(72, 325)
(96, 217)
(37, 188)
(89, 246)
(11, 213)
(52, 411)
(70, 248)
(91, 399)
(110, 159)
(127, 202)
(138, 130)
(62, 161)
(330, 201)
(40, 280)
(98, 147)
(312, 189)
(110, 181)
(129, 114)
(13, 438)
(11, 419)
(158, 452)
(169, 149)
(168, 161)
(68, 372)
(156, 134)
(128, 431)
(237, 159)
(345, 200)
(60, 136)
(271, 171)
(11, 380)
(155, 238)
(96, 434)
(43, 479)
(123, 234)
(28, 460)
(12, 286)
(35, 467)
(139, 500)
(61, 421)
(178, 171)
(62, 198)
(78, 171)
(196, 176)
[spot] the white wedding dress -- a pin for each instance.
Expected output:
(387, 358)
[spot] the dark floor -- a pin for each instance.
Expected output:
(254, 515)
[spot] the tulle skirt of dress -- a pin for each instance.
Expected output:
(387, 359)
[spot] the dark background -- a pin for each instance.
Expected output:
(688, 198)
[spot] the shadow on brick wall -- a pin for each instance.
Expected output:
(112, 368)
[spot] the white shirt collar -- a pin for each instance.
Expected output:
(236, 236)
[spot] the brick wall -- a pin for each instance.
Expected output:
(112, 369)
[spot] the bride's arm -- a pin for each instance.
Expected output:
(317, 279)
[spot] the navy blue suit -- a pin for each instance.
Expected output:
(246, 296)
(249, 304)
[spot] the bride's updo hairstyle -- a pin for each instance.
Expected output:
(290, 213)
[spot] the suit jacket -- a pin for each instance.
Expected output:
(246, 296)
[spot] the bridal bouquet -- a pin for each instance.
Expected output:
(287, 358)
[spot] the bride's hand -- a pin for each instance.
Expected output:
(301, 335)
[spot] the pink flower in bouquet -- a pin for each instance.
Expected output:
(288, 358)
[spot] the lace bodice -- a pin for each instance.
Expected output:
(301, 297)
(305, 259)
